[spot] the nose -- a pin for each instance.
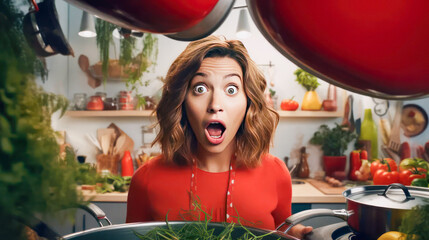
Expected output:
(215, 104)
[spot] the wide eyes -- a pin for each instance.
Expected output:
(231, 90)
(201, 88)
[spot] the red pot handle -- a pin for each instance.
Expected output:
(36, 8)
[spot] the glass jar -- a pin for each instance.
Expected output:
(102, 95)
(79, 101)
(110, 104)
(126, 101)
(95, 103)
(147, 151)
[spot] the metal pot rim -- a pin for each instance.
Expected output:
(388, 196)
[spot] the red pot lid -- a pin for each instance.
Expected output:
(376, 48)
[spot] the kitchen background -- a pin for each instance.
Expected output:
(65, 77)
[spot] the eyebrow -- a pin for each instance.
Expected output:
(227, 76)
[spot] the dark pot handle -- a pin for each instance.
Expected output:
(405, 189)
(311, 213)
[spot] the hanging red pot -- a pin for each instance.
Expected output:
(196, 18)
(375, 48)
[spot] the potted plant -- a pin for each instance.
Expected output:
(334, 142)
(132, 61)
(311, 100)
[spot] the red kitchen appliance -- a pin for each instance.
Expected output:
(375, 48)
(184, 20)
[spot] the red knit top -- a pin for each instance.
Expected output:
(261, 195)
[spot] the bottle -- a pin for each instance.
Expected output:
(368, 132)
(303, 169)
(127, 165)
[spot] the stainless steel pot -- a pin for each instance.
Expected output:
(371, 210)
(129, 231)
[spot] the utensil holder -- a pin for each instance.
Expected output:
(107, 164)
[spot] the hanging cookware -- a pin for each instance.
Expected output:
(373, 48)
(43, 31)
(208, 25)
(158, 16)
(371, 210)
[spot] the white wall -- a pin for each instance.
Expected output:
(292, 133)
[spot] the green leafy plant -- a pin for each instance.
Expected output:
(307, 80)
(135, 62)
(415, 222)
(201, 229)
(334, 141)
(34, 179)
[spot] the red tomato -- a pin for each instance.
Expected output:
(289, 104)
(382, 164)
(407, 176)
(383, 177)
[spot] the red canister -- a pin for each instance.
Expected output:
(127, 165)
(95, 103)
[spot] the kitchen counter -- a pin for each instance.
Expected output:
(301, 193)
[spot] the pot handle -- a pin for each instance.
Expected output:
(405, 189)
(311, 213)
(97, 213)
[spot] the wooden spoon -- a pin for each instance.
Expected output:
(83, 62)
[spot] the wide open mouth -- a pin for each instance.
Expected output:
(216, 129)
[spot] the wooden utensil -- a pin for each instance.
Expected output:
(395, 138)
(106, 131)
(83, 62)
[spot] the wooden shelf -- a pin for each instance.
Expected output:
(309, 114)
(148, 113)
(111, 113)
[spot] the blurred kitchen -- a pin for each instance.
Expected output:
(109, 123)
(294, 131)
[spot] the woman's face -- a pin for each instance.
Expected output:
(216, 103)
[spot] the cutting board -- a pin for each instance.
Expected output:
(325, 188)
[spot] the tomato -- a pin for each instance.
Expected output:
(289, 104)
(413, 163)
(407, 176)
(385, 177)
(384, 163)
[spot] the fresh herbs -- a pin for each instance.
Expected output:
(202, 230)
(334, 140)
(307, 80)
(33, 178)
(112, 183)
(415, 223)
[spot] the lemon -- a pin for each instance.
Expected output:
(392, 235)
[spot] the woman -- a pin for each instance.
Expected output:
(215, 133)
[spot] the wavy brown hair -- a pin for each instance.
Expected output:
(176, 137)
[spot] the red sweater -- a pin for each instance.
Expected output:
(261, 195)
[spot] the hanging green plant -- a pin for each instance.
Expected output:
(133, 61)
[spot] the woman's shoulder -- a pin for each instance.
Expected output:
(157, 166)
(269, 160)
